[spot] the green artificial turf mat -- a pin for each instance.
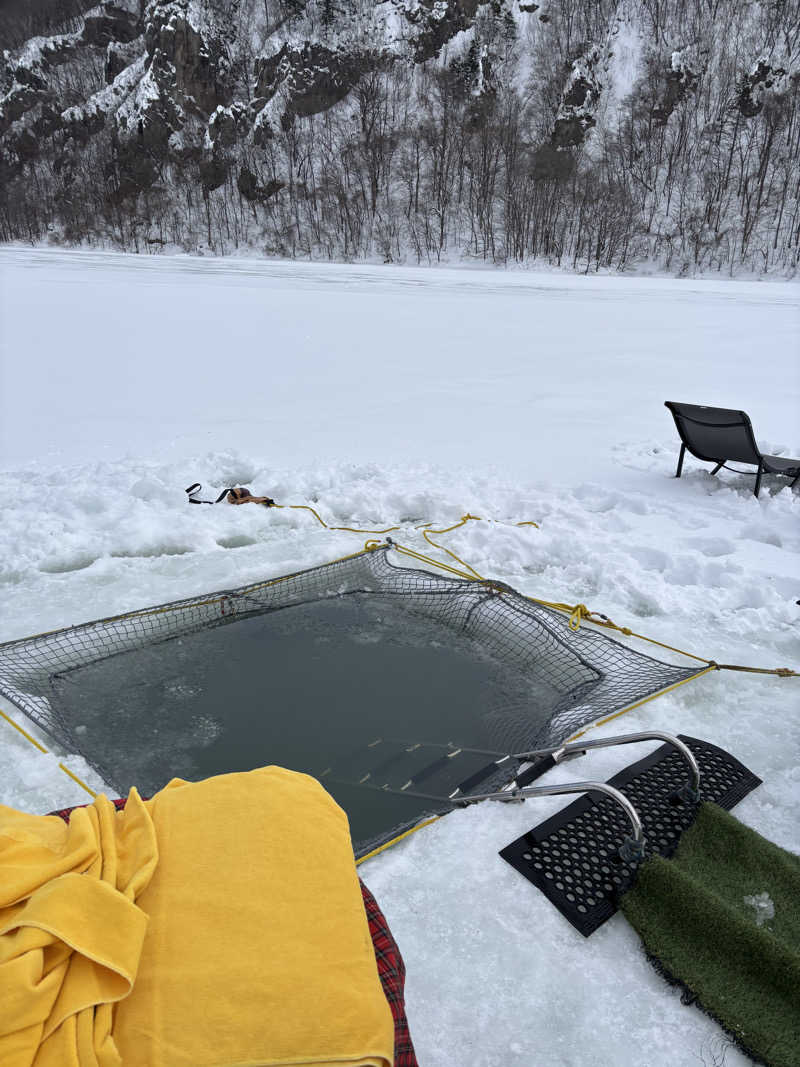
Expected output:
(722, 918)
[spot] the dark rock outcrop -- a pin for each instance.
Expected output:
(171, 80)
(437, 21)
(214, 170)
(109, 22)
(754, 86)
(312, 77)
(578, 103)
(185, 78)
(674, 83)
(228, 125)
(120, 56)
(248, 185)
(187, 61)
(25, 82)
(17, 102)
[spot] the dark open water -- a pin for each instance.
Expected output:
(305, 687)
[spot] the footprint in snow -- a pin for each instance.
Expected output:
(652, 559)
(762, 533)
(712, 546)
(65, 564)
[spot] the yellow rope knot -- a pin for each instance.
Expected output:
(495, 587)
(580, 611)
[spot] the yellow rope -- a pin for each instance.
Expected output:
(41, 748)
(579, 612)
(472, 572)
(576, 612)
(412, 552)
(24, 733)
(369, 546)
(425, 527)
(75, 778)
(392, 529)
(461, 522)
(782, 672)
(394, 840)
(321, 521)
(638, 704)
(426, 532)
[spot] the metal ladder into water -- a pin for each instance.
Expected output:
(449, 774)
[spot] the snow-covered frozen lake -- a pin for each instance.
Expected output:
(386, 395)
(540, 375)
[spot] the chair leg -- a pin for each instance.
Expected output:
(758, 478)
(720, 464)
(680, 461)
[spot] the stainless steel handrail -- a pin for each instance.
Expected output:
(634, 846)
(579, 748)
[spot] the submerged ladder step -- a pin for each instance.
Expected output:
(402, 766)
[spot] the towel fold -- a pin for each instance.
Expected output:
(71, 930)
(219, 924)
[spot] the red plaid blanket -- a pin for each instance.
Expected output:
(390, 964)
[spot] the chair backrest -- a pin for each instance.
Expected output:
(715, 434)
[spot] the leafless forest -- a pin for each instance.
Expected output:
(583, 133)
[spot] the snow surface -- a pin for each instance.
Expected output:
(624, 55)
(384, 395)
(764, 907)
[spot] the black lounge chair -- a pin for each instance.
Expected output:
(716, 435)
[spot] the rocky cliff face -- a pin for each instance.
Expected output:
(175, 85)
(161, 104)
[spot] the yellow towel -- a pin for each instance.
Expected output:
(71, 934)
(258, 949)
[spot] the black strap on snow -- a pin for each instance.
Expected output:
(241, 494)
(195, 488)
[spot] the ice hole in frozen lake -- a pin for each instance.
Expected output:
(365, 674)
(310, 687)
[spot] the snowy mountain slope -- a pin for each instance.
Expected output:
(586, 134)
(103, 431)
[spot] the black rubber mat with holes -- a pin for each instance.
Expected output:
(573, 857)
